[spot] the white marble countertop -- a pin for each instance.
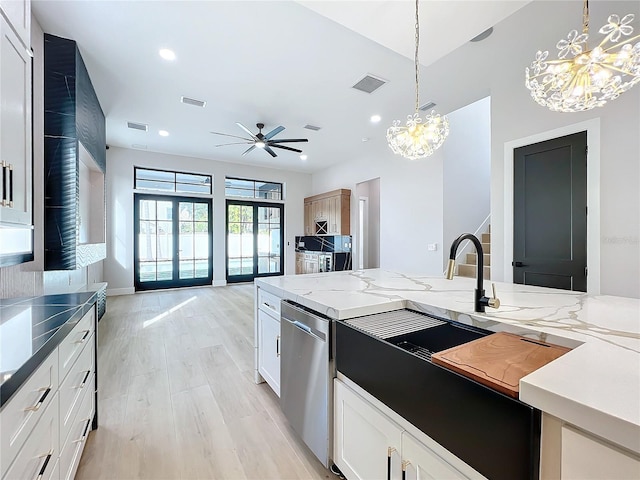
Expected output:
(596, 386)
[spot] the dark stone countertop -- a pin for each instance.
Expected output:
(30, 329)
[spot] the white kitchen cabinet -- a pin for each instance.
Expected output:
(16, 177)
(45, 424)
(369, 443)
(364, 438)
(268, 333)
(18, 14)
(311, 263)
(585, 457)
(299, 262)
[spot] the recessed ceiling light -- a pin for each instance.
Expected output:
(365, 139)
(303, 157)
(167, 54)
(375, 118)
(163, 133)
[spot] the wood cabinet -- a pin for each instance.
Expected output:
(299, 263)
(268, 338)
(328, 213)
(45, 424)
(368, 443)
(311, 263)
(16, 177)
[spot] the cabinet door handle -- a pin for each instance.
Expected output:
(47, 456)
(4, 184)
(84, 337)
(36, 407)
(390, 451)
(85, 432)
(84, 380)
(10, 186)
(405, 464)
(278, 346)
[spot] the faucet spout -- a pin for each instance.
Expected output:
(480, 300)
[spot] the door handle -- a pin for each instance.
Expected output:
(302, 326)
(518, 264)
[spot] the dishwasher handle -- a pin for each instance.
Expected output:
(306, 329)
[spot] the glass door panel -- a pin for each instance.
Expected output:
(254, 240)
(173, 241)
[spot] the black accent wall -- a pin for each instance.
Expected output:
(72, 115)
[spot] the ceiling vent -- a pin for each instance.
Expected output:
(192, 101)
(369, 84)
(483, 35)
(312, 127)
(427, 106)
(138, 126)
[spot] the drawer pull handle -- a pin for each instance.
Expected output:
(84, 337)
(11, 186)
(268, 305)
(36, 407)
(390, 451)
(85, 432)
(5, 185)
(84, 380)
(47, 456)
(278, 346)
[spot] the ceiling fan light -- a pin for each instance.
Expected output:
(260, 144)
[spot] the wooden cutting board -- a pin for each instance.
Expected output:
(499, 360)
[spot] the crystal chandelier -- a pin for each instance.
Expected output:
(582, 79)
(418, 138)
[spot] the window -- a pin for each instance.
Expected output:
(237, 187)
(168, 181)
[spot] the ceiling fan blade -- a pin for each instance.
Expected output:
(285, 148)
(274, 132)
(284, 140)
(247, 130)
(248, 150)
(269, 151)
(236, 143)
(234, 136)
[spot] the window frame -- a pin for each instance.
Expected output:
(255, 190)
(175, 182)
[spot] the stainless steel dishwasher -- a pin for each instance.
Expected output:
(306, 377)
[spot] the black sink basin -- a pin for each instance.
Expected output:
(435, 339)
(497, 435)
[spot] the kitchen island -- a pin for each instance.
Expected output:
(595, 387)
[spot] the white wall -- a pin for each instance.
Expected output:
(411, 193)
(467, 173)
(118, 266)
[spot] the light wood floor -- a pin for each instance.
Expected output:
(177, 397)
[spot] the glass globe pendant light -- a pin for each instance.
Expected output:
(583, 79)
(418, 138)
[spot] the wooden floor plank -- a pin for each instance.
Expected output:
(177, 397)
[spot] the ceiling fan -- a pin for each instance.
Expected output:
(264, 141)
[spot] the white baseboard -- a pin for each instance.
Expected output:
(112, 292)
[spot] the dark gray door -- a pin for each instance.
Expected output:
(550, 213)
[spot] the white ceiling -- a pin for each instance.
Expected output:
(277, 62)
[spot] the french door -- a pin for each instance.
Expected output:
(255, 239)
(173, 241)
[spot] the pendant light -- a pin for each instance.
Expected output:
(583, 79)
(418, 138)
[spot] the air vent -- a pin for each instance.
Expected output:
(427, 106)
(138, 126)
(312, 127)
(192, 101)
(483, 35)
(139, 146)
(369, 84)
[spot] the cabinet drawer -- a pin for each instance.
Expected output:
(25, 408)
(78, 433)
(268, 302)
(73, 388)
(72, 345)
(38, 457)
